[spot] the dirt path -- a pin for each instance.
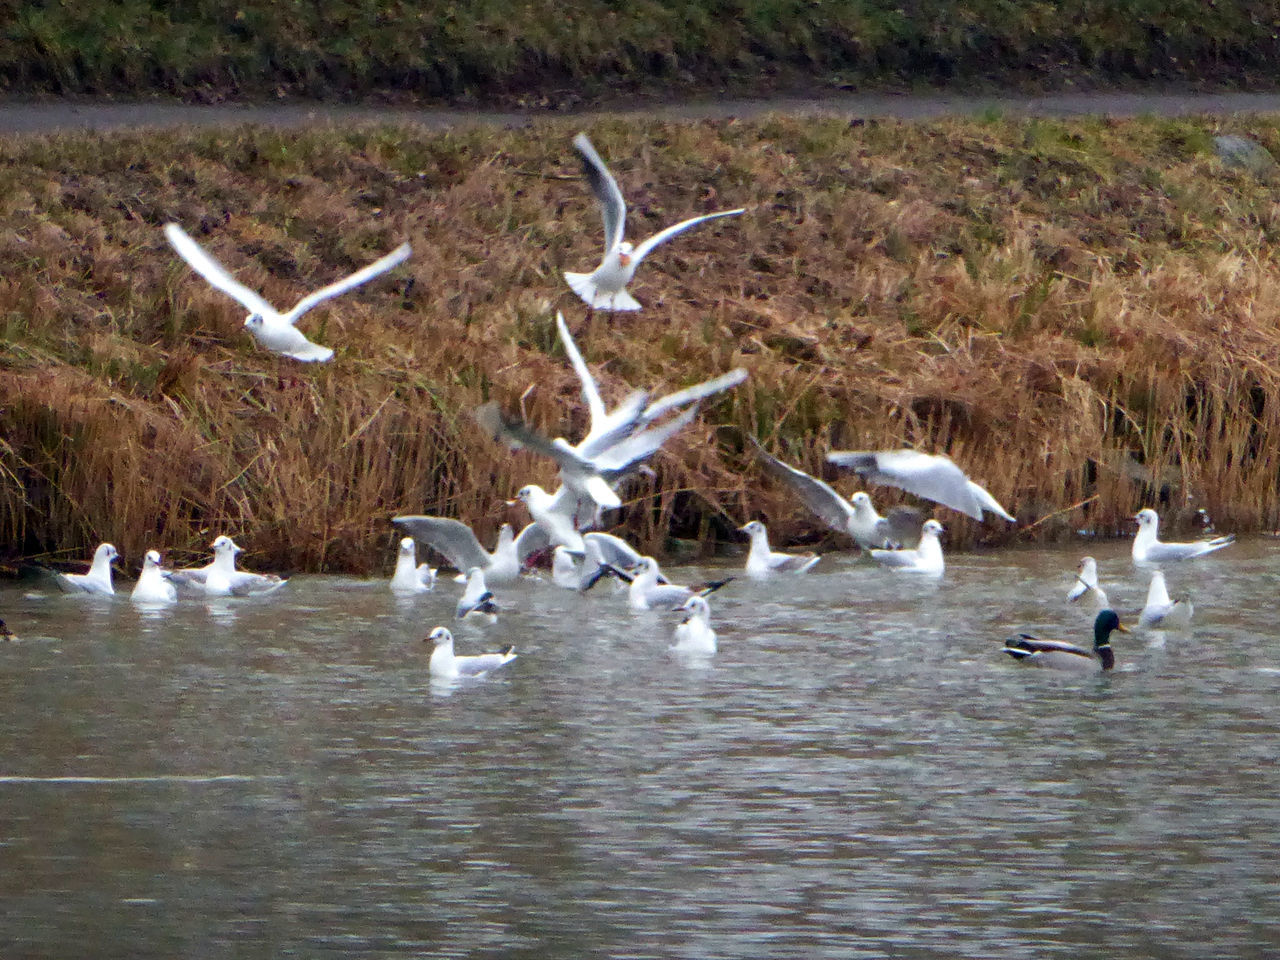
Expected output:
(54, 116)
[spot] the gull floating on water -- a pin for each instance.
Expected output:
(445, 665)
(1161, 612)
(763, 562)
(410, 576)
(646, 593)
(1060, 655)
(603, 555)
(694, 634)
(1086, 584)
(605, 288)
(97, 580)
(927, 475)
(925, 558)
(152, 586)
(476, 600)
(458, 544)
(855, 516)
(221, 578)
(1148, 548)
(272, 329)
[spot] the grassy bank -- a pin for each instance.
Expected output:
(533, 51)
(1078, 311)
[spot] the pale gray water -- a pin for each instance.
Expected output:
(858, 773)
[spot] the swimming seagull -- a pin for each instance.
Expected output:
(97, 580)
(152, 587)
(1060, 655)
(927, 475)
(445, 665)
(1161, 612)
(762, 561)
(694, 634)
(1148, 548)
(1086, 584)
(926, 558)
(410, 576)
(221, 578)
(605, 288)
(646, 593)
(458, 544)
(856, 516)
(272, 329)
(476, 600)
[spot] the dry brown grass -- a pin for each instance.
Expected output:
(1074, 311)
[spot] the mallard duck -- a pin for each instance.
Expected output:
(1060, 655)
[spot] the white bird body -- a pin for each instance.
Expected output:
(927, 475)
(411, 577)
(97, 580)
(926, 558)
(605, 287)
(476, 600)
(1086, 584)
(763, 562)
(554, 515)
(564, 572)
(459, 545)
(445, 665)
(1149, 548)
(694, 634)
(152, 586)
(1161, 612)
(221, 578)
(646, 593)
(274, 330)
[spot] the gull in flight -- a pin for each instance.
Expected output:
(458, 544)
(221, 578)
(926, 558)
(646, 593)
(476, 600)
(411, 577)
(1161, 612)
(553, 516)
(1060, 655)
(97, 580)
(927, 475)
(763, 562)
(605, 288)
(855, 516)
(1087, 585)
(272, 329)
(1148, 548)
(445, 665)
(152, 587)
(694, 634)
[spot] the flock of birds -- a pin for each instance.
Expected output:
(614, 449)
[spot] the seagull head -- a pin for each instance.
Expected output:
(697, 607)
(752, 528)
(1146, 518)
(108, 551)
(861, 500)
(225, 544)
(438, 636)
(253, 320)
(152, 559)
(407, 546)
(932, 527)
(624, 253)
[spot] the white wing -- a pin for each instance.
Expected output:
(827, 505)
(645, 248)
(590, 392)
(449, 537)
(931, 476)
(612, 207)
(397, 256)
(214, 273)
(700, 391)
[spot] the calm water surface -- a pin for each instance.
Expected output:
(858, 773)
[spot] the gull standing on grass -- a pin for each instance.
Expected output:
(694, 634)
(605, 288)
(152, 587)
(411, 577)
(762, 562)
(927, 475)
(1148, 548)
(855, 516)
(1086, 584)
(926, 558)
(445, 665)
(1161, 612)
(476, 600)
(97, 580)
(221, 578)
(272, 329)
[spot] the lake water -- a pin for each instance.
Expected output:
(859, 772)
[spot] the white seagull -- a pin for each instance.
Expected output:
(152, 587)
(272, 329)
(1148, 548)
(762, 562)
(476, 600)
(553, 516)
(605, 288)
(410, 576)
(855, 516)
(445, 665)
(458, 544)
(1086, 584)
(927, 475)
(1161, 612)
(97, 580)
(926, 558)
(694, 634)
(646, 593)
(221, 578)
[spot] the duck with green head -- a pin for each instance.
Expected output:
(1059, 655)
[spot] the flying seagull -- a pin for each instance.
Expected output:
(927, 475)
